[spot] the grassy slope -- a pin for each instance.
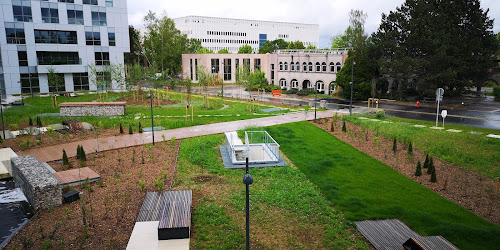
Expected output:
(287, 211)
(475, 152)
(364, 188)
(40, 105)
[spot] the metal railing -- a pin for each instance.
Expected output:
(253, 139)
(313, 51)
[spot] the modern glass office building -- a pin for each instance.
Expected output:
(64, 35)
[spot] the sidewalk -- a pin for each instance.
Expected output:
(53, 153)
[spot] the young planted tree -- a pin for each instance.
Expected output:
(130, 131)
(140, 127)
(430, 165)
(54, 81)
(39, 122)
(410, 149)
(65, 158)
(30, 122)
(83, 156)
(418, 171)
(121, 128)
(433, 173)
(78, 151)
(344, 129)
(135, 74)
(395, 146)
(426, 162)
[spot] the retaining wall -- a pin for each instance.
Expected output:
(75, 109)
(39, 186)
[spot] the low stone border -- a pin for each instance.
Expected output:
(76, 109)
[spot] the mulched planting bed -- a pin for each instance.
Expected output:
(115, 202)
(56, 138)
(467, 189)
(142, 100)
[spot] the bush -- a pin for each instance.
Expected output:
(290, 92)
(140, 127)
(418, 172)
(30, 122)
(395, 146)
(430, 166)
(25, 144)
(496, 93)
(426, 162)
(410, 149)
(433, 173)
(65, 158)
(380, 114)
(39, 122)
(344, 129)
(130, 131)
(305, 92)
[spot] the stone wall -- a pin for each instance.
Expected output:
(92, 109)
(38, 184)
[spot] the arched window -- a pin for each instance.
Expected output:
(310, 66)
(318, 67)
(281, 66)
(332, 87)
(292, 66)
(282, 83)
(332, 67)
(323, 67)
(286, 66)
(294, 84)
(339, 66)
(320, 86)
(305, 67)
(297, 66)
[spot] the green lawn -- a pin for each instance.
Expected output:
(364, 188)
(475, 152)
(287, 210)
(170, 116)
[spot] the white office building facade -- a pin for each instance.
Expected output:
(64, 35)
(218, 33)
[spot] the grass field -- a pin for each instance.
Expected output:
(475, 152)
(168, 116)
(287, 210)
(364, 188)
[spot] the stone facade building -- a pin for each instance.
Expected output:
(289, 69)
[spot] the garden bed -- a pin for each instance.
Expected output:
(116, 200)
(464, 187)
(143, 100)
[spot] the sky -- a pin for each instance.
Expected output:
(331, 15)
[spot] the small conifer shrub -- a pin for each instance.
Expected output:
(418, 171)
(121, 128)
(65, 158)
(410, 149)
(130, 131)
(344, 129)
(395, 146)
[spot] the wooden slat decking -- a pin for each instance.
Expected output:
(171, 204)
(76, 175)
(393, 233)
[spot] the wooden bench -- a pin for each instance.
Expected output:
(276, 92)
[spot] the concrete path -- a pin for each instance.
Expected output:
(53, 153)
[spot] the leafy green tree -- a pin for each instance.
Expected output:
(223, 51)
(203, 50)
(338, 41)
(135, 54)
(271, 46)
(54, 80)
(257, 79)
(164, 44)
(296, 45)
(310, 46)
(498, 40)
(245, 49)
(427, 44)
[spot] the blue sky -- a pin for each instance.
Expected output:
(331, 15)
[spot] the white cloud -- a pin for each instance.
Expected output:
(331, 15)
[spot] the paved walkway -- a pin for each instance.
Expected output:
(53, 153)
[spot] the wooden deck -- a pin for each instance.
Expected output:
(393, 233)
(75, 176)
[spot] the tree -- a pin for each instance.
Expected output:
(164, 44)
(135, 54)
(394, 146)
(498, 40)
(418, 171)
(39, 122)
(223, 51)
(344, 128)
(65, 158)
(30, 122)
(203, 50)
(271, 46)
(410, 149)
(296, 45)
(427, 44)
(118, 75)
(430, 166)
(426, 162)
(433, 173)
(121, 128)
(130, 131)
(140, 127)
(54, 82)
(338, 41)
(135, 74)
(245, 49)
(310, 46)
(256, 80)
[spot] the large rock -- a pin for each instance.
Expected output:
(39, 186)
(87, 126)
(8, 134)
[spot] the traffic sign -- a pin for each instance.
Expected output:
(439, 94)
(444, 113)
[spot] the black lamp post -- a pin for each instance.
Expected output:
(247, 180)
(315, 98)
(1, 110)
(222, 79)
(352, 81)
(152, 117)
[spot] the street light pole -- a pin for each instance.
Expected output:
(1, 111)
(247, 180)
(352, 83)
(315, 98)
(152, 117)
(222, 79)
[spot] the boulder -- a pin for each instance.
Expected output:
(87, 126)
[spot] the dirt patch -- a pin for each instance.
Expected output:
(56, 138)
(466, 188)
(143, 100)
(113, 205)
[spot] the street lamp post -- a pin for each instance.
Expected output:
(1, 111)
(352, 83)
(247, 180)
(222, 80)
(315, 98)
(152, 117)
